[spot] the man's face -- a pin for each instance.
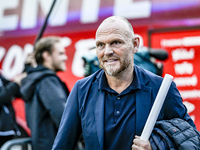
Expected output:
(58, 57)
(114, 47)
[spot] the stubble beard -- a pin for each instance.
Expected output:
(58, 67)
(111, 71)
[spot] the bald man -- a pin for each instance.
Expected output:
(111, 106)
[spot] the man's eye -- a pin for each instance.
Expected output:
(100, 45)
(116, 43)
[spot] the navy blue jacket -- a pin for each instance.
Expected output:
(84, 111)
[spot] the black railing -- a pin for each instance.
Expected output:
(19, 144)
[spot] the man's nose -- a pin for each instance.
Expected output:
(108, 50)
(65, 57)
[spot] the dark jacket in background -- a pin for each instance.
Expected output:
(45, 96)
(8, 125)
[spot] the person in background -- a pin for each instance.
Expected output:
(146, 58)
(111, 106)
(8, 91)
(44, 93)
(91, 62)
(30, 62)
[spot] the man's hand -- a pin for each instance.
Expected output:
(139, 144)
(19, 78)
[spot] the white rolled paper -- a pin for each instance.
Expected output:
(155, 110)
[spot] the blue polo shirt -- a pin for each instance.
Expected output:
(119, 119)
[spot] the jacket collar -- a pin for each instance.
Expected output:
(99, 117)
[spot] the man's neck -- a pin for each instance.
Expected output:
(122, 81)
(48, 66)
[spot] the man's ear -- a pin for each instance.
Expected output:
(136, 43)
(46, 56)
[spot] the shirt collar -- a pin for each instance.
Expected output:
(103, 84)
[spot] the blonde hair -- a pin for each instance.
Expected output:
(44, 44)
